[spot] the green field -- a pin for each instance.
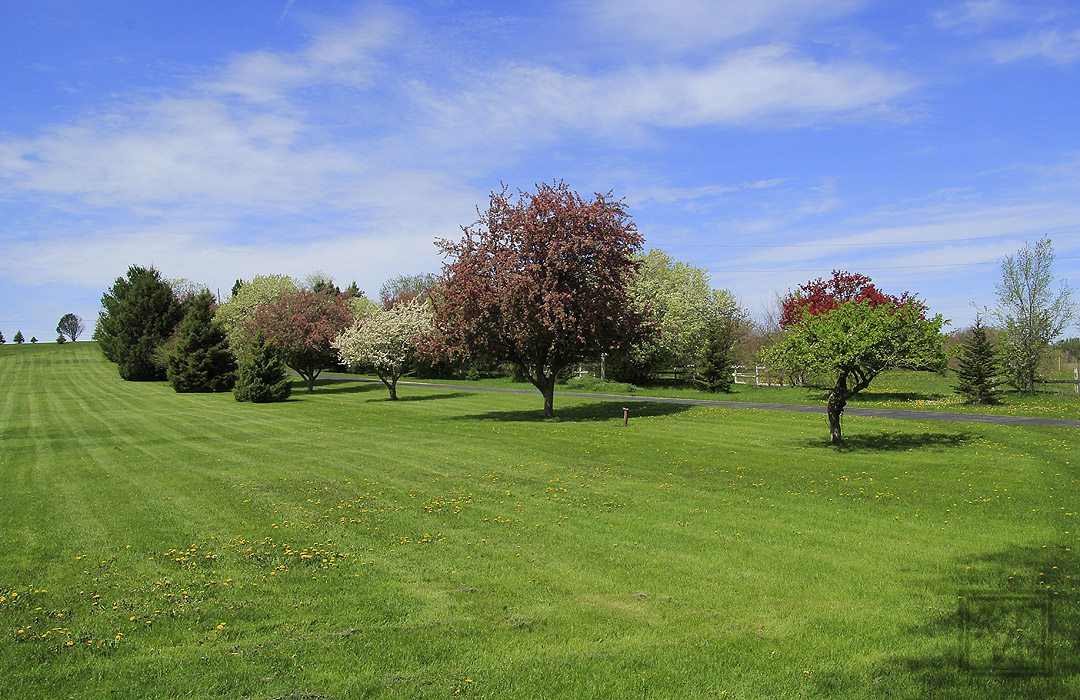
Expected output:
(453, 544)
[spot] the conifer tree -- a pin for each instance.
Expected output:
(261, 377)
(978, 366)
(715, 364)
(202, 361)
(19, 340)
(2, 341)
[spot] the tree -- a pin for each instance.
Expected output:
(201, 361)
(1031, 313)
(850, 331)
(978, 366)
(33, 339)
(301, 325)
(261, 376)
(680, 302)
(717, 355)
(70, 325)
(540, 281)
(19, 340)
(138, 314)
(2, 341)
(246, 298)
(402, 288)
(383, 340)
(60, 339)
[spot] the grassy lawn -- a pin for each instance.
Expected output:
(898, 389)
(452, 544)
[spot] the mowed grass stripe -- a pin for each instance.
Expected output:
(694, 553)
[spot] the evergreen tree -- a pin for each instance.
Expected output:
(60, 339)
(261, 377)
(33, 339)
(201, 361)
(138, 314)
(714, 368)
(19, 340)
(2, 341)
(978, 366)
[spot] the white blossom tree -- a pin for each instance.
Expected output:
(383, 340)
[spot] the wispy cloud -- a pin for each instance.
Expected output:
(1053, 45)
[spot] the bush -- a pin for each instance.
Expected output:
(592, 385)
(261, 377)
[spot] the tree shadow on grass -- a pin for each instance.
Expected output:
(885, 441)
(425, 397)
(338, 386)
(1007, 626)
(592, 411)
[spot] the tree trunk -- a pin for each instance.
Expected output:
(392, 386)
(546, 385)
(836, 410)
(310, 379)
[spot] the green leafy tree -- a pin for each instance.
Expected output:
(201, 361)
(850, 332)
(71, 326)
(978, 366)
(383, 340)
(402, 288)
(246, 298)
(19, 340)
(680, 302)
(541, 282)
(261, 377)
(1030, 311)
(33, 339)
(138, 314)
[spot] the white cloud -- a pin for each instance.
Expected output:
(1053, 45)
(975, 15)
(679, 25)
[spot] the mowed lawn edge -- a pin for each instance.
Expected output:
(342, 545)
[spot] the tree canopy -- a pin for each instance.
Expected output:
(201, 361)
(850, 331)
(246, 297)
(1031, 312)
(138, 314)
(301, 324)
(541, 281)
(383, 340)
(70, 326)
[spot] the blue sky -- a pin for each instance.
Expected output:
(768, 142)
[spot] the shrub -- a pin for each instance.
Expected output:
(261, 377)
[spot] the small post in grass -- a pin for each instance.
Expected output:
(625, 416)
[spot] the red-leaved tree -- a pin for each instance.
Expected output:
(301, 324)
(541, 281)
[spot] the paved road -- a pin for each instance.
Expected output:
(874, 412)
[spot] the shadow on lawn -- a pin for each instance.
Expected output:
(338, 386)
(592, 411)
(884, 441)
(1008, 636)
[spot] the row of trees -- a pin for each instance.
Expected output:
(541, 282)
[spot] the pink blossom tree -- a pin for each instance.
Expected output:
(301, 324)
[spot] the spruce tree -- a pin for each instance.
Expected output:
(201, 361)
(2, 341)
(19, 340)
(978, 366)
(261, 377)
(714, 368)
(138, 315)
